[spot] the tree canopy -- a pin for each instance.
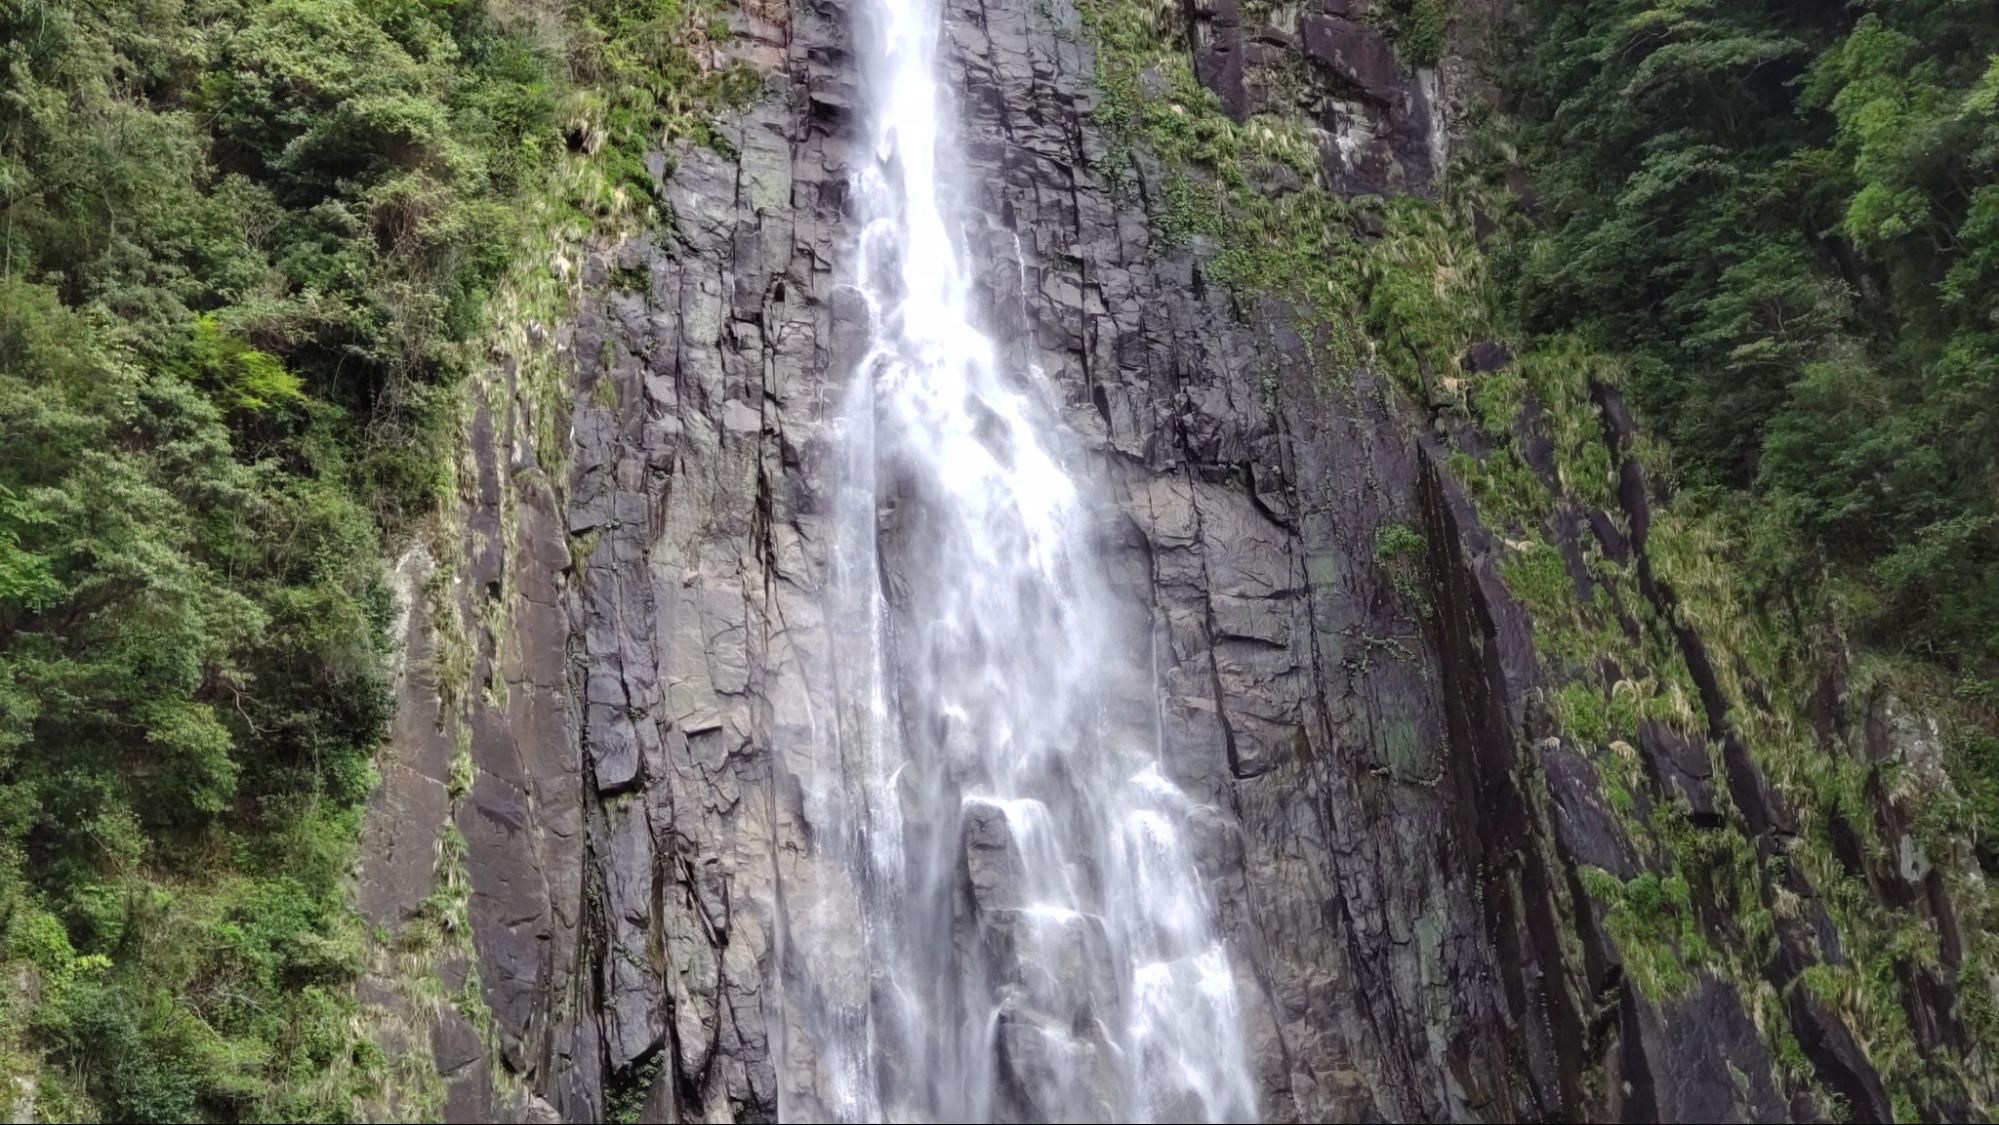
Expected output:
(1787, 214)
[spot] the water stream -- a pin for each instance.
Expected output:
(1018, 929)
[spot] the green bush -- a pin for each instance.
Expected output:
(1420, 29)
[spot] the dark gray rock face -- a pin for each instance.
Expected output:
(1385, 126)
(1396, 842)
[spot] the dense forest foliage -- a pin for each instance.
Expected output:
(243, 247)
(1787, 214)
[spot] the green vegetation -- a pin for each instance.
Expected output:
(1217, 178)
(1652, 921)
(1774, 224)
(1786, 217)
(624, 1101)
(246, 253)
(1401, 550)
(1420, 29)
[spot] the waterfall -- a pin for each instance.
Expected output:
(1008, 921)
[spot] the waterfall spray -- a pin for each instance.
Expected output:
(1034, 938)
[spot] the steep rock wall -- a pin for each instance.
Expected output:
(636, 671)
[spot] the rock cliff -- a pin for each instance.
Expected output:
(1454, 900)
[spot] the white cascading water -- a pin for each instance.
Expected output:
(1034, 938)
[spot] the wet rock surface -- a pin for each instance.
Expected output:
(1395, 837)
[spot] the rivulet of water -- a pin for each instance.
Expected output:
(1017, 928)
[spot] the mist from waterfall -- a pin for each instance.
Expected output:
(1016, 927)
